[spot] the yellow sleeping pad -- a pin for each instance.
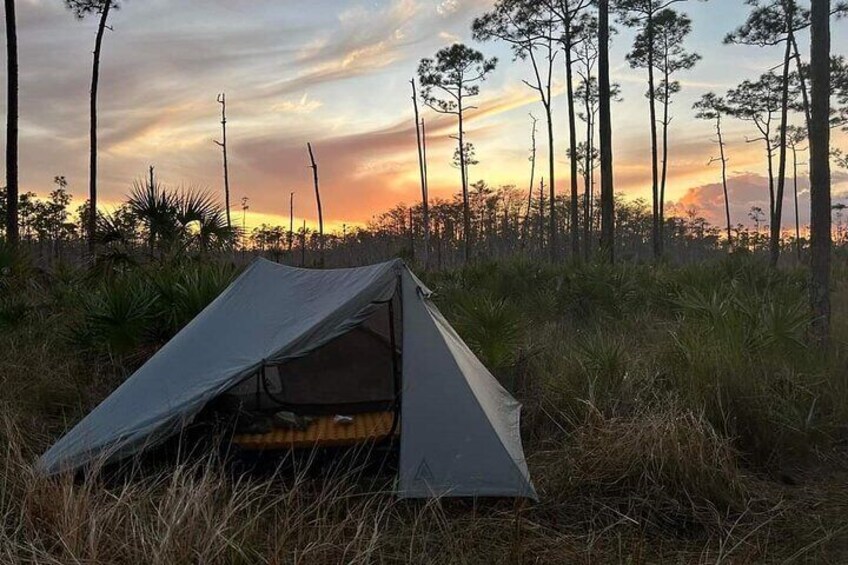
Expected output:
(323, 432)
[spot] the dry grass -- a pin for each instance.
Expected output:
(662, 487)
(642, 417)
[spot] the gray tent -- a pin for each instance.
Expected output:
(459, 429)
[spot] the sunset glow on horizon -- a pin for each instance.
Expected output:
(338, 77)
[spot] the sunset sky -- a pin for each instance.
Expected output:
(336, 73)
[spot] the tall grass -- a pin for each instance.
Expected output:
(665, 410)
(727, 340)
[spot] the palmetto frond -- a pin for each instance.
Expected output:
(179, 219)
(195, 205)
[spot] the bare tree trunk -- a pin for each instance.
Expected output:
(425, 206)
(541, 214)
(424, 153)
(222, 100)
(525, 226)
(92, 175)
(553, 242)
(795, 191)
(774, 247)
(724, 179)
(439, 234)
(303, 245)
(572, 134)
(820, 204)
(411, 233)
(426, 188)
(770, 153)
(151, 236)
(12, 233)
(664, 173)
(655, 233)
(607, 184)
(291, 224)
(466, 213)
(314, 167)
(802, 80)
(587, 180)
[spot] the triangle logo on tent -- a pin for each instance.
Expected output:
(424, 473)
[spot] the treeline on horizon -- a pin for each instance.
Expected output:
(587, 220)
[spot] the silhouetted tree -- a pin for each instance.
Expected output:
(570, 15)
(772, 23)
(11, 124)
(532, 160)
(646, 16)
(605, 135)
(172, 220)
(820, 220)
(672, 30)
(795, 137)
(528, 27)
(81, 9)
(50, 219)
(222, 100)
(759, 102)
(291, 224)
(424, 198)
(448, 81)
(586, 59)
(711, 107)
(314, 166)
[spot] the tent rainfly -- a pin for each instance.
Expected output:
(459, 429)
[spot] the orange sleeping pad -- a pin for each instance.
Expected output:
(323, 432)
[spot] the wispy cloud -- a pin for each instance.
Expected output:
(335, 74)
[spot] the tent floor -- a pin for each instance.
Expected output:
(322, 432)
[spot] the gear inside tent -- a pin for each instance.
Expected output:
(313, 358)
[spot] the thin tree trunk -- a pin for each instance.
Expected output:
(802, 80)
(541, 214)
(525, 225)
(425, 207)
(291, 224)
(151, 236)
(607, 183)
(587, 179)
(655, 234)
(553, 245)
(466, 213)
(594, 222)
(795, 191)
(544, 89)
(724, 179)
(303, 245)
(820, 204)
(664, 173)
(92, 175)
(774, 247)
(411, 236)
(314, 167)
(770, 153)
(424, 153)
(12, 232)
(572, 134)
(222, 100)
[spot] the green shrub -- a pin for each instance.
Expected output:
(118, 317)
(493, 328)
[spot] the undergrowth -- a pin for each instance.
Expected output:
(670, 414)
